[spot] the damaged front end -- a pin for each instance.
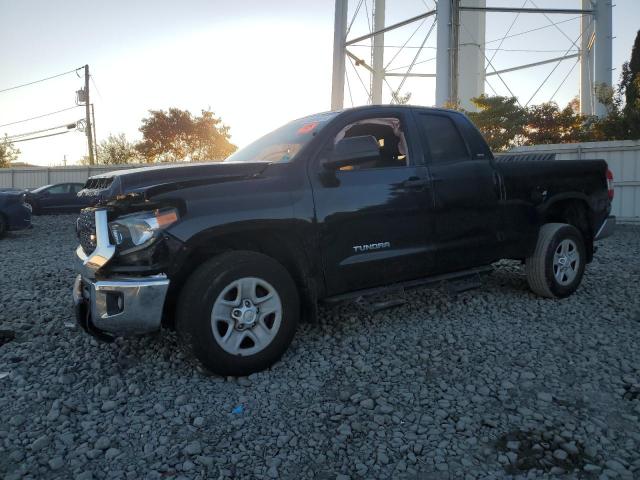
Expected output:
(124, 251)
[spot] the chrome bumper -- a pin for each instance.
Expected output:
(607, 228)
(119, 306)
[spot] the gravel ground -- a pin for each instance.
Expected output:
(493, 383)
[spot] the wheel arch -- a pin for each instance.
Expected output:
(573, 210)
(285, 245)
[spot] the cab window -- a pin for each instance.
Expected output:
(390, 136)
(444, 141)
(57, 189)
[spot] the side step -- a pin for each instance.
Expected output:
(455, 283)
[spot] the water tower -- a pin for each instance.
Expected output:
(462, 65)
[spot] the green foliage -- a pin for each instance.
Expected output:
(504, 123)
(176, 135)
(547, 123)
(630, 88)
(117, 150)
(501, 120)
(8, 152)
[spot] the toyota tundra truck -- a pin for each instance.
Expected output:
(332, 206)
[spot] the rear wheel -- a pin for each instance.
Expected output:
(556, 267)
(238, 313)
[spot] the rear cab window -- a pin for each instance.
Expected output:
(443, 140)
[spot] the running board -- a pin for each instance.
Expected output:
(456, 282)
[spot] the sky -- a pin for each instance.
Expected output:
(257, 64)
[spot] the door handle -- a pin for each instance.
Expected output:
(415, 182)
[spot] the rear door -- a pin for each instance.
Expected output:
(466, 192)
(373, 221)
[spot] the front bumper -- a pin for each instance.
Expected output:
(607, 228)
(119, 306)
(107, 307)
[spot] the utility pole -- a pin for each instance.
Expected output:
(88, 114)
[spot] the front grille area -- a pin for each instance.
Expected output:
(98, 183)
(86, 230)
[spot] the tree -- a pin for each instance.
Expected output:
(176, 135)
(500, 119)
(8, 152)
(546, 123)
(117, 150)
(630, 88)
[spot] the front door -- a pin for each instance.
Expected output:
(57, 198)
(373, 219)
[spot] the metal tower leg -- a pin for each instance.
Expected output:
(471, 49)
(339, 55)
(603, 49)
(377, 62)
(443, 53)
(586, 61)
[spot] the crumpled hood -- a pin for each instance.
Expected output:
(162, 178)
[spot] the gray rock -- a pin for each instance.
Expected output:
(193, 448)
(108, 405)
(111, 453)
(545, 397)
(56, 463)
(198, 422)
(367, 403)
(40, 443)
(102, 443)
(560, 454)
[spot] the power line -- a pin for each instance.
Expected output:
(95, 86)
(41, 80)
(69, 125)
(40, 116)
(42, 136)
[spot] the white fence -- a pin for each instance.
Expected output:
(36, 177)
(623, 157)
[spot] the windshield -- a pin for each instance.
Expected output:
(282, 145)
(39, 189)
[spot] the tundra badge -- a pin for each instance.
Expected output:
(371, 246)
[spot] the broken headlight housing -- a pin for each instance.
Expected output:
(138, 230)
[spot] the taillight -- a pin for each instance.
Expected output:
(610, 184)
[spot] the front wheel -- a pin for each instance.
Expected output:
(238, 313)
(556, 267)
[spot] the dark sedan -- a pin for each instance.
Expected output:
(14, 213)
(58, 198)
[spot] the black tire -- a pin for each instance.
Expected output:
(3, 226)
(197, 298)
(540, 268)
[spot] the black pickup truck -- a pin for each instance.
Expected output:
(331, 206)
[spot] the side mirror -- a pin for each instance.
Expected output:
(353, 151)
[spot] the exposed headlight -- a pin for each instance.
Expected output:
(137, 230)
